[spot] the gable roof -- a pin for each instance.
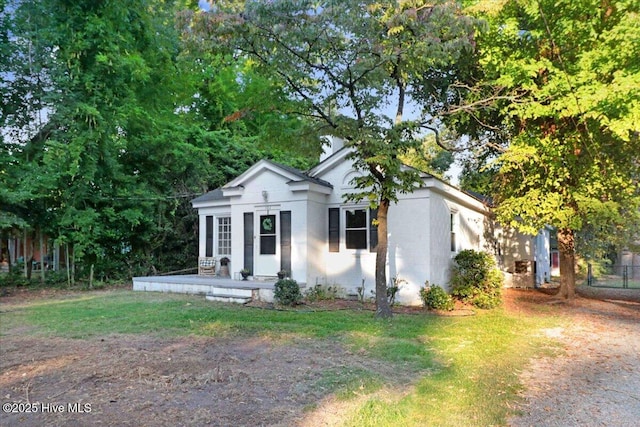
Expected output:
(487, 200)
(294, 176)
(429, 181)
(300, 180)
(288, 172)
(304, 176)
(211, 196)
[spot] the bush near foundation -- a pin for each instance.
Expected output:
(287, 292)
(436, 298)
(476, 279)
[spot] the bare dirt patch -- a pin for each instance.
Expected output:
(134, 380)
(145, 380)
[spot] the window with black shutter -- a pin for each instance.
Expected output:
(360, 229)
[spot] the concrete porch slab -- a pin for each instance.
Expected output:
(205, 285)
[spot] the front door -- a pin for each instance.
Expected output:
(268, 245)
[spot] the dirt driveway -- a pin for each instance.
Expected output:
(595, 381)
(146, 381)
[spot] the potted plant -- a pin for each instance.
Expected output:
(224, 266)
(245, 273)
(282, 274)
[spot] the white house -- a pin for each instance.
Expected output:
(274, 217)
(526, 260)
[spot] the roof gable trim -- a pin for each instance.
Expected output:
(286, 172)
(256, 169)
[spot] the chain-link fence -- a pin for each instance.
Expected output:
(615, 276)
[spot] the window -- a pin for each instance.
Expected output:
(360, 229)
(267, 234)
(356, 229)
(224, 236)
(453, 228)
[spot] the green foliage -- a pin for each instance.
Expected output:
(361, 292)
(478, 172)
(111, 126)
(563, 85)
(394, 288)
(429, 157)
(56, 278)
(323, 292)
(287, 292)
(436, 298)
(475, 279)
(14, 277)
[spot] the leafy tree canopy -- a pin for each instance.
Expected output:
(111, 125)
(568, 76)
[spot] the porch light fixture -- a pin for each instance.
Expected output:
(265, 196)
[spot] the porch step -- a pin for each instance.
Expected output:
(265, 278)
(228, 298)
(239, 295)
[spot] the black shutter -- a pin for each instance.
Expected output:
(373, 230)
(285, 241)
(334, 229)
(248, 241)
(209, 236)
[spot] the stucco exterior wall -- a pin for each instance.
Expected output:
(419, 239)
(348, 268)
(408, 251)
(317, 248)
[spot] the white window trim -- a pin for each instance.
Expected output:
(343, 228)
(216, 235)
(454, 227)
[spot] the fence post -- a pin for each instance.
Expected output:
(589, 276)
(625, 276)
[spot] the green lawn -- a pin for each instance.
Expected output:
(466, 367)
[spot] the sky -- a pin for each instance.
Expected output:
(204, 5)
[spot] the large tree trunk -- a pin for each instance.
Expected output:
(567, 248)
(383, 310)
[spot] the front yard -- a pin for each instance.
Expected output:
(166, 359)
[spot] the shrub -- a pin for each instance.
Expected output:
(476, 280)
(287, 292)
(322, 292)
(15, 277)
(393, 288)
(436, 298)
(56, 278)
